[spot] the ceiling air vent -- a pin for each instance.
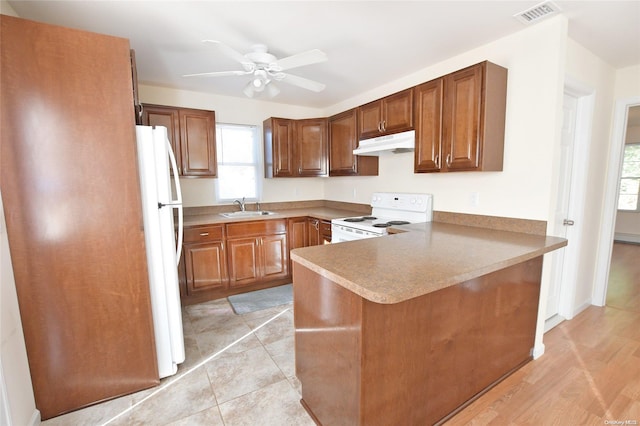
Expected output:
(537, 12)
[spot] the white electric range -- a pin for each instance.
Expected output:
(388, 209)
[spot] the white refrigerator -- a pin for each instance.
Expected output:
(163, 252)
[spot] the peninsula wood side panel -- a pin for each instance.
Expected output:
(414, 362)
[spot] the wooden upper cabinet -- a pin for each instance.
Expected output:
(460, 120)
(343, 139)
(391, 114)
(311, 147)
(295, 148)
(156, 115)
(278, 147)
(198, 142)
(428, 120)
(192, 134)
(474, 118)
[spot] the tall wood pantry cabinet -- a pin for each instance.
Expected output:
(460, 120)
(192, 133)
(74, 217)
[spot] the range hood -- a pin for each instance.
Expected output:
(396, 143)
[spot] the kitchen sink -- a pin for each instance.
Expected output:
(253, 213)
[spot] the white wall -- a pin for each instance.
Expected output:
(201, 192)
(534, 58)
(17, 403)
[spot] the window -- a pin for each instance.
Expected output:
(630, 178)
(238, 165)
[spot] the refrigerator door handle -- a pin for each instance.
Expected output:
(177, 203)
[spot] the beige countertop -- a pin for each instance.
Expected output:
(425, 258)
(323, 213)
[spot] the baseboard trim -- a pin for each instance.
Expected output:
(537, 351)
(552, 322)
(35, 418)
(626, 238)
(581, 307)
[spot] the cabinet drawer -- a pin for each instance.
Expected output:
(198, 234)
(263, 227)
(325, 228)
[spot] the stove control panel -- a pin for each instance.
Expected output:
(411, 202)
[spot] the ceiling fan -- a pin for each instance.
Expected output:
(266, 68)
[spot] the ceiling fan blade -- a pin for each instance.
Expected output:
(230, 52)
(305, 83)
(305, 58)
(217, 74)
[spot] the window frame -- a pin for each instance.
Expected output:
(622, 177)
(258, 164)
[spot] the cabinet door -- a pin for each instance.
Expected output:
(314, 231)
(283, 147)
(462, 111)
(311, 147)
(343, 139)
(370, 120)
(158, 115)
(428, 122)
(198, 143)
(298, 235)
(275, 257)
(205, 267)
(397, 112)
(244, 267)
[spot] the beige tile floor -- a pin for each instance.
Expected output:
(231, 376)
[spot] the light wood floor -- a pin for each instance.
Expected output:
(590, 372)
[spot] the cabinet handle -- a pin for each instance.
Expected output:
(384, 125)
(204, 234)
(437, 160)
(380, 126)
(448, 161)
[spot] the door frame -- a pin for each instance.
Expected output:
(585, 96)
(609, 209)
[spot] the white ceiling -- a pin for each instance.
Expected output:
(368, 43)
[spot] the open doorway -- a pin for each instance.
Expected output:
(623, 289)
(607, 232)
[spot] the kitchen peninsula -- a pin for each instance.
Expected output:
(408, 328)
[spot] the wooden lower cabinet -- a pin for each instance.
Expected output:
(325, 232)
(314, 231)
(258, 252)
(205, 260)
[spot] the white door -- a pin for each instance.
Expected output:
(563, 222)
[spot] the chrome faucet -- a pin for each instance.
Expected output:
(240, 203)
